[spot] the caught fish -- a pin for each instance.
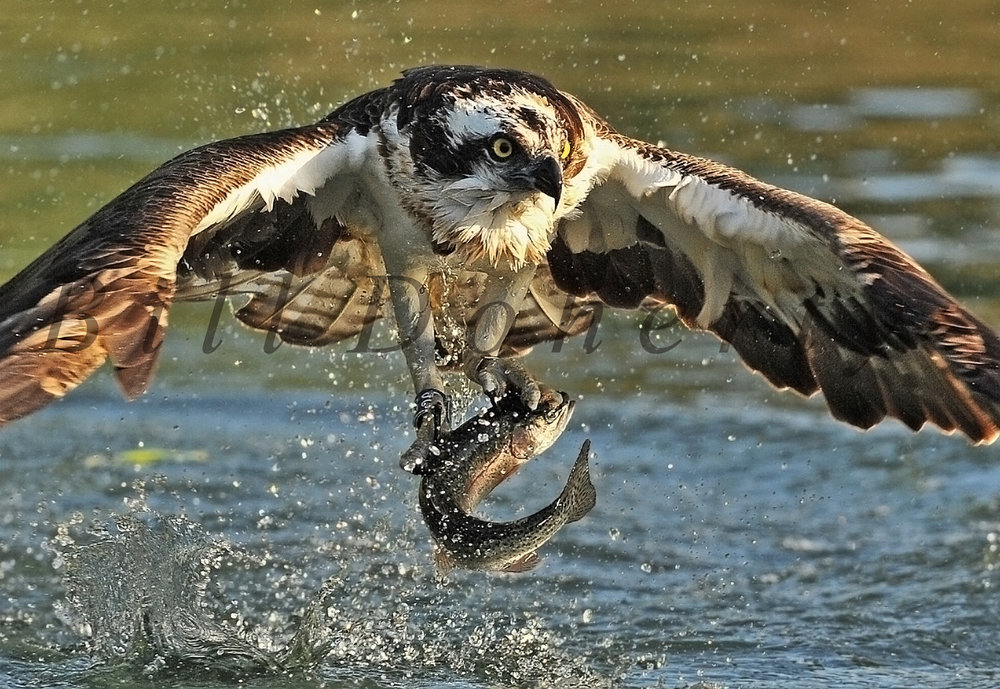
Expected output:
(473, 460)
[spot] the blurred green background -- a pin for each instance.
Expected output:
(96, 94)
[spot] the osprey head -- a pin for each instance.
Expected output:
(489, 152)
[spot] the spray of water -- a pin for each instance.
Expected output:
(143, 592)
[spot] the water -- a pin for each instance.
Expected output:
(727, 548)
(246, 520)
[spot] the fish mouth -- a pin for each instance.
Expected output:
(543, 425)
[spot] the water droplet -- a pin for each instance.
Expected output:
(646, 567)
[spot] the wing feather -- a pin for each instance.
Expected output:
(809, 296)
(257, 218)
(104, 290)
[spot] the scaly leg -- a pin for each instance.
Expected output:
(496, 375)
(415, 324)
(499, 305)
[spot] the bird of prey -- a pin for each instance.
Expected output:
(487, 211)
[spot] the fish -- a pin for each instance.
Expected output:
(466, 465)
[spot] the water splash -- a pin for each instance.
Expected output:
(417, 631)
(143, 592)
(138, 592)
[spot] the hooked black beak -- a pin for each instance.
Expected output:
(546, 176)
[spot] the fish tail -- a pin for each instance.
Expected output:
(443, 559)
(579, 492)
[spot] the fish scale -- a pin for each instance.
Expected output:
(477, 457)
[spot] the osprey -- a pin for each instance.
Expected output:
(488, 211)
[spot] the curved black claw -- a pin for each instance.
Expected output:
(500, 375)
(431, 420)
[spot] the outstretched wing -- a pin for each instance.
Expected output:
(260, 216)
(217, 215)
(809, 296)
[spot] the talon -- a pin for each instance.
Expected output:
(433, 403)
(432, 420)
(498, 376)
(493, 384)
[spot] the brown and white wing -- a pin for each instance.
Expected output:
(809, 296)
(255, 214)
(254, 217)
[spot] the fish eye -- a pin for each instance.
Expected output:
(501, 148)
(564, 153)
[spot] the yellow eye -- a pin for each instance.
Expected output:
(564, 153)
(501, 148)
